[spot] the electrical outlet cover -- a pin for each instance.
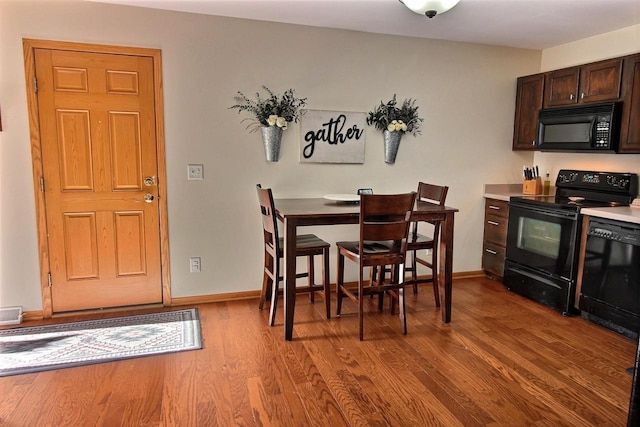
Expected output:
(195, 172)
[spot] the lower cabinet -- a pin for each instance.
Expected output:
(496, 216)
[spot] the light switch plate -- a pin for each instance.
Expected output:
(195, 172)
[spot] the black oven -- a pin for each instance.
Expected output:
(541, 254)
(543, 239)
(543, 234)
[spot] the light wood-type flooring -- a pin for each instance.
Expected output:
(502, 361)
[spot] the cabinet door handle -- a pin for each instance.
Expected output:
(582, 95)
(497, 208)
(571, 97)
(533, 142)
(491, 252)
(493, 223)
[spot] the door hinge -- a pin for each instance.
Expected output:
(42, 184)
(49, 281)
(35, 84)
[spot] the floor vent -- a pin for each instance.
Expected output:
(10, 315)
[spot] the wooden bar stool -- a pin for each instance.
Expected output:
(308, 245)
(384, 227)
(432, 194)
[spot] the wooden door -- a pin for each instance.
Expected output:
(97, 121)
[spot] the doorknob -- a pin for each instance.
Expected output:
(148, 198)
(149, 181)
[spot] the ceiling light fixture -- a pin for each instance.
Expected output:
(430, 8)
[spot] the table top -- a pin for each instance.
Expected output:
(320, 207)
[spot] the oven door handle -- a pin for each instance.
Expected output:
(535, 277)
(556, 214)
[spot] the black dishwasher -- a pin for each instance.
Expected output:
(610, 293)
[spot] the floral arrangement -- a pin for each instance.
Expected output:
(273, 110)
(396, 119)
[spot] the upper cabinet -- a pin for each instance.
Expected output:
(596, 82)
(528, 102)
(630, 127)
(612, 80)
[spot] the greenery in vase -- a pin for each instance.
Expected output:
(396, 119)
(273, 110)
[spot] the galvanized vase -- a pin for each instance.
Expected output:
(391, 144)
(271, 137)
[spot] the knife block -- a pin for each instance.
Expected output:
(532, 186)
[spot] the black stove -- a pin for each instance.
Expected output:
(543, 234)
(587, 189)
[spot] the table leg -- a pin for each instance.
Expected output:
(289, 276)
(445, 278)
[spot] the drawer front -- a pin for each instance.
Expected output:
(496, 207)
(493, 258)
(495, 230)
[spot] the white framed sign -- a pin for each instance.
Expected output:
(332, 137)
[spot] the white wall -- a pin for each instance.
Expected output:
(466, 94)
(605, 46)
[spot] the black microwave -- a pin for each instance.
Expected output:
(585, 128)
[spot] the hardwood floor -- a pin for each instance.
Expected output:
(502, 361)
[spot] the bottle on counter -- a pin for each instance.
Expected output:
(546, 185)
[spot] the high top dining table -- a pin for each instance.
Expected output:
(296, 213)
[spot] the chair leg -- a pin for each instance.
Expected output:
(414, 271)
(434, 275)
(266, 280)
(326, 281)
(395, 277)
(311, 270)
(274, 302)
(403, 311)
(361, 304)
(379, 281)
(339, 283)
(401, 300)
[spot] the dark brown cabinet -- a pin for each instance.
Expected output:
(561, 87)
(529, 95)
(596, 82)
(612, 80)
(496, 216)
(630, 127)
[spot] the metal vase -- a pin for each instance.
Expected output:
(391, 144)
(271, 137)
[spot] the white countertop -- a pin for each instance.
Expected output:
(505, 191)
(618, 213)
(502, 191)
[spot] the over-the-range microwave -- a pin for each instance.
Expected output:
(585, 128)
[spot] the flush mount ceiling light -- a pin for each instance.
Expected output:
(430, 8)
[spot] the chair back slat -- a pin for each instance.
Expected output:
(269, 222)
(385, 231)
(430, 193)
(385, 217)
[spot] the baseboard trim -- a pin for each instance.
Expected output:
(206, 299)
(237, 296)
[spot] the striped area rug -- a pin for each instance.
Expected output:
(65, 345)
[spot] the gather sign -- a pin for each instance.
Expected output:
(332, 137)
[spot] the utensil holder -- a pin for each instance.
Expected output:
(532, 186)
